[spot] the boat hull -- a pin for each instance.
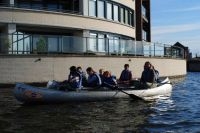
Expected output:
(30, 94)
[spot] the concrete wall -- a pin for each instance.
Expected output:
(63, 20)
(29, 69)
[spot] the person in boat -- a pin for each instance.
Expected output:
(101, 71)
(109, 80)
(126, 75)
(94, 79)
(148, 76)
(83, 75)
(74, 79)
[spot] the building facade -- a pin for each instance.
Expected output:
(73, 26)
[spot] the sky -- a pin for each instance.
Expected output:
(176, 21)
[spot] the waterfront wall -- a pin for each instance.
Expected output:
(193, 65)
(38, 69)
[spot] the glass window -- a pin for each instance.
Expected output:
(92, 8)
(52, 44)
(143, 11)
(36, 6)
(76, 5)
(116, 13)
(111, 43)
(67, 44)
(101, 43)
(101, 9)
(130, 22)
(27, 48)
(122, 15)
(52, 6)
(109, 11)
(116, 44)
(66, 6)
(144, 35)
(126, 16)
(92, 43)
(23, 4)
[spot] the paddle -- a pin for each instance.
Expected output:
(135, 97)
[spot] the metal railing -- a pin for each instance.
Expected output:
(19, 44)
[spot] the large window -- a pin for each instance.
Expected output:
(116, 13)
(144, 35)
(130, 22)
(20, 43)
(23, 43)
(122, 15)
(144, 11)
(126, 16)
(71, 6)
(109, 11)
(92, 8)
(53, 44)
(101, 9)
(92, 46)
(101, 43)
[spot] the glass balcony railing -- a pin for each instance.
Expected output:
(24, 44)
(61, 6)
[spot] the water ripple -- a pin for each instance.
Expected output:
(179, 113)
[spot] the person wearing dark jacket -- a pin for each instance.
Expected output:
(148, 76)
(126, 75)
(94, 79)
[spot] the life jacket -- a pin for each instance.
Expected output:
(148, 75)
(75, 80)
(109, 80)
(126, 75)
(94, 80)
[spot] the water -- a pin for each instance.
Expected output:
(176, 114)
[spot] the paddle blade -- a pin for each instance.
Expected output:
(135, 97)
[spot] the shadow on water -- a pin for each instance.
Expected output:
(122, 115)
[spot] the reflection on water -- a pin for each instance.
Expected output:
(107, 116)
(178, 113)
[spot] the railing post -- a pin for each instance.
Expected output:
(154, 49)
(150, 50)
(135, 47)
(108, 46)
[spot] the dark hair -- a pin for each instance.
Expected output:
(89, 69)
(126, 65)
(79, 67)
(147, 62)
(72, 68)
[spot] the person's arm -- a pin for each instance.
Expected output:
(142, 78)
(92, 79)
(121, 76)
(152, 76)
(130, 76)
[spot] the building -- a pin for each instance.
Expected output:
(178, 50)
(74, 26)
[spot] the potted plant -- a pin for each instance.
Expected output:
(6, 45)
(41, 45)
